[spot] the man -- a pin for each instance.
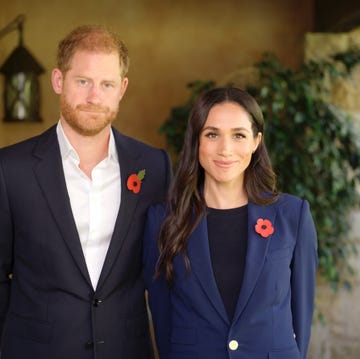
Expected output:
(72, 208)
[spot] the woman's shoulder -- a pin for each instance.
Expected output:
(289, 198)
(282, 198)
(291, 204)
(157, 211)
(154, 218)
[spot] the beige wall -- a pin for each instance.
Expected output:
(170, 42)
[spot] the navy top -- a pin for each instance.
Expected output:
(228, 232)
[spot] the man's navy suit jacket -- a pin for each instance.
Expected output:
(49, 309)
(275, 306)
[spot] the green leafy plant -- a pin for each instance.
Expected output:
(313, 146)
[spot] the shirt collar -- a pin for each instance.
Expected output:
(66, 149)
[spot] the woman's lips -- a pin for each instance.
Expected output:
(224, 164)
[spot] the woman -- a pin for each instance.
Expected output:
(229, 263)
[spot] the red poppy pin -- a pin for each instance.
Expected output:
(264, 227)
(134, 181)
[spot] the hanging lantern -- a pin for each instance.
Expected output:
(22, 88)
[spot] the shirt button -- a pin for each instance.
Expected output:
(233, 345)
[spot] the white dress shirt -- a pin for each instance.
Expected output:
(94, 202)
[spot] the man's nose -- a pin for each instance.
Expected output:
(94, 95)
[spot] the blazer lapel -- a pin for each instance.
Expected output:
(201, 267)
(129, 164)
(50, 176)
(257, 248)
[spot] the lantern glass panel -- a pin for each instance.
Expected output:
(21, 97)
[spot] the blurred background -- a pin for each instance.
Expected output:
(170, 43)
(173, 43)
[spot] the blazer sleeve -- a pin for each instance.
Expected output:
(304, 267)
(6, 239)
(157, 288)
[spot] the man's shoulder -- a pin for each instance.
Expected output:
(132, 142)
(27, 145)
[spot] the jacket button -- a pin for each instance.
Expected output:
(96, 302)
(89, 345)
(233, 345)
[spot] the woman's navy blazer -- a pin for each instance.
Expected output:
(275, 307)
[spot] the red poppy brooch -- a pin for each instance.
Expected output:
(134, 181)
(264, 227)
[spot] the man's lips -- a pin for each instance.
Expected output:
(92, 109)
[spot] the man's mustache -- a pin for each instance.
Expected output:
(92, 108)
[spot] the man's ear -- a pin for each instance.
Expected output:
(124, 85)
(57, 81)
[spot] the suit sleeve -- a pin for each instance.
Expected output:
(304, 267)
(168, 169)
(158, 290)
(6, 238)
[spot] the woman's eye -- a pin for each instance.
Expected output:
(239, 136)
(211, 135)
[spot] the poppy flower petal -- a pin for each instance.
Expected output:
(264, 227)
(134, 181)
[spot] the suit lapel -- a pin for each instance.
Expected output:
(129, 163)
(201, 267)
(200, 259)
(50, 176)
(257, 248)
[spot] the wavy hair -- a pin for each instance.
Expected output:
(93, 38)
(186, 204)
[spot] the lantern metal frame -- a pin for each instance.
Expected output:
(21, 88)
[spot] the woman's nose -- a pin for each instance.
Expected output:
(225, 147)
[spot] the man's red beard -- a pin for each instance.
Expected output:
(86, 120)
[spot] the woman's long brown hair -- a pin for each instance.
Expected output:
(186, 203)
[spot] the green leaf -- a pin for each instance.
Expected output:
(141, 175)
